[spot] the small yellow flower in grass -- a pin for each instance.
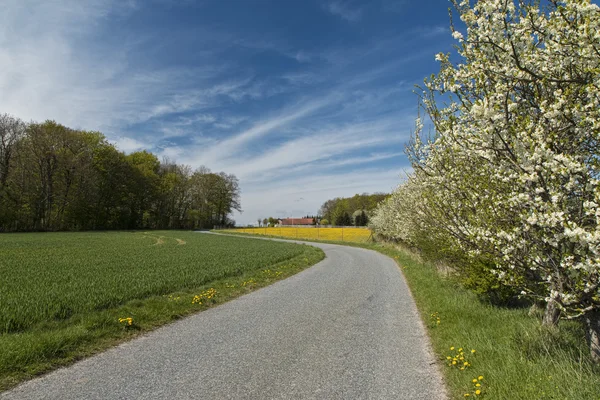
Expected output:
(453, 362)
(448, 358)
(480, 377)
(452, 348)
(478, 385)
(478, 392)
(467, 394)
(462, 368)
(128, 321)
(473, 351)
(475, 380)
(460, 349)
(466, 363)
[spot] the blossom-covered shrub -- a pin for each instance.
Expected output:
(512, 173)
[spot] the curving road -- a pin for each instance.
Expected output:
(346, 328)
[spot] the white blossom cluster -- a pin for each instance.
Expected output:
(513, 172)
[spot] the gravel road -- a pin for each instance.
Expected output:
(346, 328)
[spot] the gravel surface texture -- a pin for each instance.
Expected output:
(346, 328)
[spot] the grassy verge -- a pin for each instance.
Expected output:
(95, 290)
(516, 357)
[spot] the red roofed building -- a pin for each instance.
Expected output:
(296, 222)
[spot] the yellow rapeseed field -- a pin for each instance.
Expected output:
(341, 234)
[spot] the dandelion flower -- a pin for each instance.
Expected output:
(477, 385)
(480, 377)
(474, 380)
(478, 392)
(452, 348)
(473, 351)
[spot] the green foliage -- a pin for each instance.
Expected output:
(342, 219)
(334, 208)
(324, 221)
(56, 178)
(360, 218)
(69, 305)
(474, 273)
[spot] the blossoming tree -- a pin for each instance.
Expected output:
(513, 170)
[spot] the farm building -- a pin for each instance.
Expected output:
(295, 222)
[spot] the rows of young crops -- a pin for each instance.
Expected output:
(340, 234)
(52, 276)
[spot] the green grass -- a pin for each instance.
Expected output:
(517, 358)
(62, 294)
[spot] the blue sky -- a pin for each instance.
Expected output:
(302, 100)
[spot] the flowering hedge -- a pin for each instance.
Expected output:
(512, 173)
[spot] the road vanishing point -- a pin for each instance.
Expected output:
(346, 328)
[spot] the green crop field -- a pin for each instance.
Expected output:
(62, 294)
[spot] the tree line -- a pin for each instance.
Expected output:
(55, 178)
(346, 211)
(506, 189)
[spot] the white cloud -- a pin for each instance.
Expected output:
(44, 73)
(308, 149)
(129, 145)
(53, 69)
(343, 11)
(302, 57)
(231, 146)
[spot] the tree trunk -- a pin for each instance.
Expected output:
(551, 314)
(592, 322)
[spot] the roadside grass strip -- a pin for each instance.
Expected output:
(358, 235)
(64, 296)
(491, 352)
(497, 353)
